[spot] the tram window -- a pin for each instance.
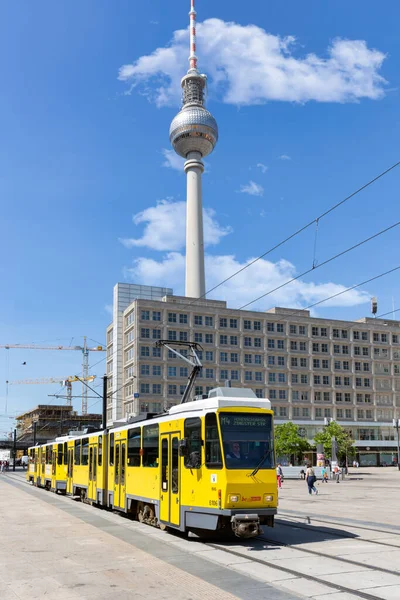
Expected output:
(193, 436)
(48, 455)
(85, 451)
(60, 454)
(65, 453)
(134, 439)
(77, 452)
(175, 466)
(116, 471)
(164, 465)
(150, 445)
(100, 453)
(111, 449)
(123, 459)
(213, 446)
(247, 440)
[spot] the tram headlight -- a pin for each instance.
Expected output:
(268, 498)
(233, 498)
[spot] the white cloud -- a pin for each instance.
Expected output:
(284, 157)
(252, 188)
(249, 66)
(251, 283)
(263, 168)
(172, 160)
(165, 226)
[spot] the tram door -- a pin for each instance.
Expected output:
(92, 492)
(119, 474)
(170, 479)
(70, 470)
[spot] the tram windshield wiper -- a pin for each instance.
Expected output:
(260, 464)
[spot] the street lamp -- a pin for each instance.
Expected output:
(396, 425)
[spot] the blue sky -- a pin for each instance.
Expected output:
(84, 146)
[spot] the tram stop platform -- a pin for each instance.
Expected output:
(56, 549)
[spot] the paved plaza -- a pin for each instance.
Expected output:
(343, 544)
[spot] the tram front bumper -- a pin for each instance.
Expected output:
(246, 525)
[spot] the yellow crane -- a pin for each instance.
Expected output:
(64, 381)
(85, 361)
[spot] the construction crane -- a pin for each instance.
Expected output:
(64, 381)
(85, 361)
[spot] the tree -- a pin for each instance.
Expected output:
(345, 443)
(288, 441)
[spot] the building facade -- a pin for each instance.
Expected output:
(310, 368)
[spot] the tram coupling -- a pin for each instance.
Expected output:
(246, 526)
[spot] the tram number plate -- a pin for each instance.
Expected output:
(213, 503)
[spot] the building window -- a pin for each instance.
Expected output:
(339, 413)
(327, 397)
(282, 394)
(324, 348)
(324, 332)
(345, 349)
(271, 343)
(234, 357)
(282, 411)
(257, 342)
(338, 380)
(325, 380)
(258, 359)
(145, 369)
(145, 315)
(209, 321)
(258, 376)
(304, 379)
(317, 396)
(209, 355)
(172, 390)
(223, 357)
(279, 328)
(281, 361)
(233, 340)
(198, 337)
(224, 374)
(356, 335)
(270, 327)
(281, 344)
(348, 413)
(327, 412)
(293, 361)
(395, 338)
(247, 358)
(223, 340)
(183, 371)
(295, 378)
(282, 377)
(246, 324)
(318, 413)
(296, 411)
(156, 388)
(339, 397)
(314, 331)
(248, 375)
(303, 347)
(259, 393)
(171, 317)
(209, 373)
(247, 341)
(145, 388)
(272, 394)
(315, 347)
(183, 319)
(209, 338)
(156, 352)
(335, 333)
(317, 380)
(257, 325)
(302, 330)
(157, 370)
(172, 335)
(233, 323)
(293, 329)
(346, 381)
(156, 334)
(376, 337)
(156, 315)
(305, 412)
(145, 333)
(325, 363)
(347, 397)
(198, 320)
(144, 351)
(303, 363)
(171, 371)
(223, 322)
(295, 395)
(364, 336)
(234, 375)
(271, 360)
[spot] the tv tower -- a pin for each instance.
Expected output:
(193, 134)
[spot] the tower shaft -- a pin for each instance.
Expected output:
(195, 273)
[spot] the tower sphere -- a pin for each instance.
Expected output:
(194, 129)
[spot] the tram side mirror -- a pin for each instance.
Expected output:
(183, 447)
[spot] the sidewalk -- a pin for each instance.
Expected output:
(56, 549)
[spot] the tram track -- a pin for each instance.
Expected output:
(326, 531)
(314, 578)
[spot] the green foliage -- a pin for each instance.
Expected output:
(288, 442)
(343, 439)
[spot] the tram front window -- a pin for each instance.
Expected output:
(247, 440)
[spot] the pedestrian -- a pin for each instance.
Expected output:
(336, 470)
(311, 479)
(1, 466)
(279, 475)
(324, 474)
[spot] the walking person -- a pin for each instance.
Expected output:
(336, 470)
(311, 479)
(324, 474)
(279, 475)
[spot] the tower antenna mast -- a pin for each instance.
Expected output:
(193, 135)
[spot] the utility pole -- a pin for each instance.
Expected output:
(15, 449)
(396, 425)
(105, 402)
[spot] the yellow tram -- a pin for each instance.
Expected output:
(204, 465)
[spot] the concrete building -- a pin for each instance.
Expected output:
(310, 368)
(51, 421)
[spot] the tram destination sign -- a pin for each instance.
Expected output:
(233, 421)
